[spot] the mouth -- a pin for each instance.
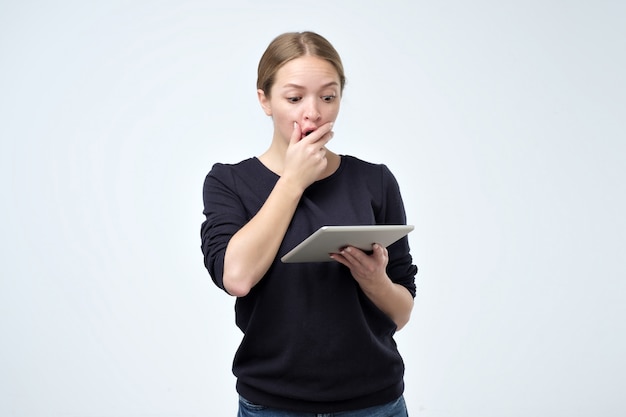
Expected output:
(308, 131)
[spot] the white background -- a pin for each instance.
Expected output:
(503, 121)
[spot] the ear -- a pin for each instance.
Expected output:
(265, 102)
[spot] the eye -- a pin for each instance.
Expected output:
(294, 99)
(328, 98)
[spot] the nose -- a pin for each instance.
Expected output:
(312, 112)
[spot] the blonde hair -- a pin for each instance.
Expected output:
(292, 45)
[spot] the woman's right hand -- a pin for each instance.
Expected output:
(305, 159)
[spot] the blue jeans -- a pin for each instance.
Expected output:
(395, 408)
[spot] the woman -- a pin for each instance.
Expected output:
(318, 337)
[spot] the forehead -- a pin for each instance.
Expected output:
(306, 71)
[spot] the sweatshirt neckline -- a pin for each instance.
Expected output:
(342, 162)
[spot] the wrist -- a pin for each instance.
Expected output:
(378, 288)
(289, 187)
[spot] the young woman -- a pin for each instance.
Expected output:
(318, 337)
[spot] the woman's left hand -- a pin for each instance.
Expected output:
(370, 271)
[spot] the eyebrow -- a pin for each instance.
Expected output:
(330, 84)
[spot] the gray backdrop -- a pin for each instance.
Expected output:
(503, 122)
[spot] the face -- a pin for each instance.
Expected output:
(307, 91)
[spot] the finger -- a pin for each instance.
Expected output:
(379, 249)
(343, 258)
(380, 253)
(295, 134)
(339, 258)
(326, 138)
(352, 254)
(322, 135)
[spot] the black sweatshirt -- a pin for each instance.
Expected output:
(313, 341)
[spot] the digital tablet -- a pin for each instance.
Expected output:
(331, 239)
